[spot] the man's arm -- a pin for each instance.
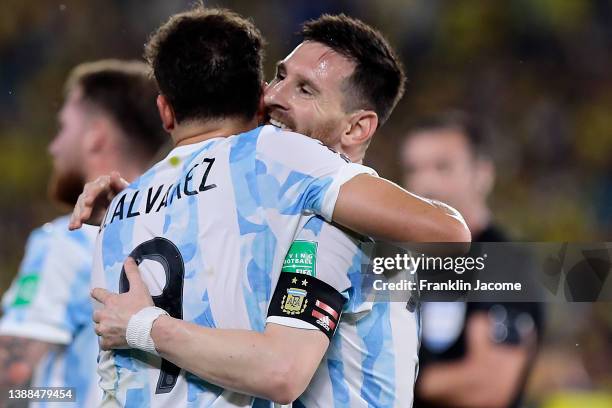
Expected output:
(366, 204)
(277, 364)
(380, 209)
(487, 377)
(19, 357)
(26, 335)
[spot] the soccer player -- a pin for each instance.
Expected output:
(321, 89)
(108, 122)
(210, 226)
(474, 354)
(339, 85)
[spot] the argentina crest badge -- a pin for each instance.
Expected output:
(294, 302)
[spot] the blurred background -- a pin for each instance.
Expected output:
(537, 73)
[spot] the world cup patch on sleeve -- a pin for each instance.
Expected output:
(301, 258)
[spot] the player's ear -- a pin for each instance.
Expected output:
(96, 135)
(166, 113)
(360, 128)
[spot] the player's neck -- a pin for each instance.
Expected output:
(199, 131)
(355, 153)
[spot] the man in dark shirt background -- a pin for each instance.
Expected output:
(472, 354)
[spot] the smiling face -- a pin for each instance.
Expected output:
(308, 93)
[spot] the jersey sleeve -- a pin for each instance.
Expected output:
(324, 266)
(48, 299)
(309, 175)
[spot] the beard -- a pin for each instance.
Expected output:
(66, 186)
(326, 132)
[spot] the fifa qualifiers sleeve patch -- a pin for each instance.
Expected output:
(308, 299)
(301, 258)
(27, 286)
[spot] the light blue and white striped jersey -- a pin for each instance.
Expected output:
(210, 226)
(372, 358)
(49, 301)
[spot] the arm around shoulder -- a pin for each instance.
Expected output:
(381, 209)
(277, 364)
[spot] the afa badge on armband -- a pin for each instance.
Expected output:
(308, 299)
(294, 302)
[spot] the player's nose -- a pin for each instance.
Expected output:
(275, 96)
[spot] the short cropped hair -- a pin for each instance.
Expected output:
(378, 80)
(473, 131)
(208, 63)
(125, 91)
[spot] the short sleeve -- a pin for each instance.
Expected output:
(332, 256)
(48, 299)
(309, 175)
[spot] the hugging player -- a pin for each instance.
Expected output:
(227, 211)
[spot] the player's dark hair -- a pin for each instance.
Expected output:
(208, 64)
(125, 91)
(378, 80)
(461, 121)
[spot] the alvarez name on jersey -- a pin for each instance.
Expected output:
(210, 226)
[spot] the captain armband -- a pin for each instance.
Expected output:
(308, 299)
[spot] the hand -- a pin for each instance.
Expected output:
(481, 347)
(497, 367)
(487, 376)
(95, 199)
(112, 320)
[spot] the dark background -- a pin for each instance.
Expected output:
(537, 73)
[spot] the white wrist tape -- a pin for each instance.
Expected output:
(138, 333)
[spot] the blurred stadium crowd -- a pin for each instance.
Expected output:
(535, 73)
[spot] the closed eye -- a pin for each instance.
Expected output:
(304, 89)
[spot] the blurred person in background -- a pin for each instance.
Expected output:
(463, 361)
(108, 122)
